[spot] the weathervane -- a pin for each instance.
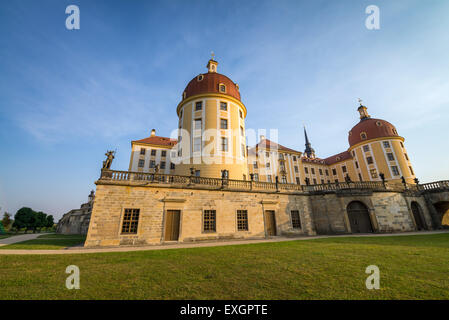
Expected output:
(212, 55)
(360, 101)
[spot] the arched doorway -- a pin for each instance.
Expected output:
(359, 218)
(442, 208)
(417, 214)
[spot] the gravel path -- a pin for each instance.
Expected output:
(19, 238)
(77, 250)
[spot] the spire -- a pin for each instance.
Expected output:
(363, 111)
(309, 152)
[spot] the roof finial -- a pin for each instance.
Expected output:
(360, 101)
(212, 54)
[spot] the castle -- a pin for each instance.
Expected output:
(208, 184)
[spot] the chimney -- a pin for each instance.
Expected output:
(153, 132)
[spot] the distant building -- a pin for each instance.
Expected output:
(76, 221)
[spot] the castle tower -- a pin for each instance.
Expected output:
(377, 148)
(309, 152)
(212, 127)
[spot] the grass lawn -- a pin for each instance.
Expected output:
(411, 267)
(3, 236)
(47, 241)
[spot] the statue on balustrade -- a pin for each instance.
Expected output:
(109, 157)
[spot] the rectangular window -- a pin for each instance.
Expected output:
(373, 173)
(269, 177)
(343, 169)
(411, 171)
(153, 152)
(223, 106)
(294, 158)
(242, 132)
(197, 173)
(321, 172)
(223, 123)
(130, 221)
(241, 114)
(306, 170)
(152, 163)
(197, 124)
(162, 164)
(142, 151)
(327, 172)
(406, 156)
(209, 221)
(242, 220)
(395, 170)
(386, 144)
(255, 165)
(402, 145)
(141, 163)
(198, 106)
(281, 156)
(267, 154)
(314, 181)
(322, 181)
(243, 150)
(334, 172)
(356, 164)
(284, 179)
(366, 148)
(296, 169)
(297, 180)
(390, 156)
(163, 154)
(172, 166)
(369, 160)
(268, 165)
(224, 144)
(256, 177)
(197, 144)
(360, 177)
(313, 170)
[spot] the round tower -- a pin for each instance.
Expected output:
(377, 149)
(211, 129)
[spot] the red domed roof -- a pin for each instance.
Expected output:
(372, 128)
(209, 83)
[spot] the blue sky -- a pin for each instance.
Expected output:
(68, 96)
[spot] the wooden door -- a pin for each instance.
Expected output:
(172, 219)
(416, 210)
(270, 222)
(359, 219)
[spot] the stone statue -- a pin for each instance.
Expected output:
(156, 168)
(110, 156)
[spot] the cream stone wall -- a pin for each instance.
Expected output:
(111, 201)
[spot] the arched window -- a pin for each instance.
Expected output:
(222, 88)
(363, 136)
(417, 214)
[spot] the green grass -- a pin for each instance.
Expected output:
(47, 241)
(411, 267)
(3, 236)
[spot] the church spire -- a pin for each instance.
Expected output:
(309, 152)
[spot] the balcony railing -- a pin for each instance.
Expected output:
(245, 185)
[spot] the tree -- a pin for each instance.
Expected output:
(24, 218)
(40, 220)
(50, 221)
(6, 221)
(2, 230)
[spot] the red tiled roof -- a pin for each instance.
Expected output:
(267, 144)
(210, 84)
(338, 157)
(159, 141)
(374, 128)
(314, 160)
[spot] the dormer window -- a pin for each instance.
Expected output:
(200, 77)
(350, 133)
(378, 123)
(184, 95)
(363, 136)
(222, 88)
(394, 131)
